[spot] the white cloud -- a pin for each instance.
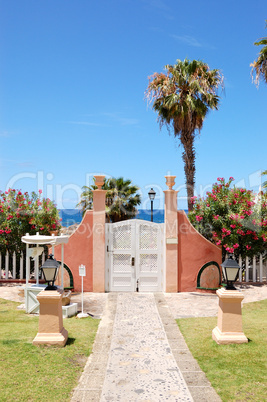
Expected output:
(123, 121)
(4, 133)
(109, 118)
(87, 123)
(187, 39)
(7, 162)
(157, 4)
(25, 164)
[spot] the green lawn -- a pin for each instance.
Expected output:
(237, 372)
(31, 373)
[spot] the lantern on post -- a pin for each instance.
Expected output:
(152, 195)
(230, 270)
(50, 270)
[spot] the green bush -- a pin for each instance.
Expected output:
(233, 218)
(22, 213)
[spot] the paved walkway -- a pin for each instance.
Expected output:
(139, 354)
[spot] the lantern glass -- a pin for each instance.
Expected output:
(232, 273)
(224, 273)
(50, 270)
(152, 194)
(49, 273)
(230, 270)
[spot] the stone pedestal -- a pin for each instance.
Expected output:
(229, 324)
(51, 330)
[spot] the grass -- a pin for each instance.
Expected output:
(31, 373)
(237, 372)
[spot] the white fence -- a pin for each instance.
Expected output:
(14, 267)
(254, 269)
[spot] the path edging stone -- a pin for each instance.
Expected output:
(196, 380)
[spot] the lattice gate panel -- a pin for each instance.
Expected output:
(134, 256)
(148, 263)
(148, 237)
(149, 257)
(120, 248)
(122, 263)
(122, 237)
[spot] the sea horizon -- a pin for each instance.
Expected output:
(71, 216)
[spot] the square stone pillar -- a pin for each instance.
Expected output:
(51, 330)
(99, 220)
(229, 324)
(171, 236)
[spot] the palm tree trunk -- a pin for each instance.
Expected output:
(189, 166)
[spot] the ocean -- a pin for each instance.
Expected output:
(71, 216)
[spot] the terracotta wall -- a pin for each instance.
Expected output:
(193, 252)
(79, 250)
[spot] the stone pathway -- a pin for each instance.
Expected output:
(148, 359)
(141, 365)
(139, 353)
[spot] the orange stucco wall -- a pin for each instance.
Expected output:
(193, 252)
(79, 250)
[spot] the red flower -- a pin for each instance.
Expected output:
(240, 231)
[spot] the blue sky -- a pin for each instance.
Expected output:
(72, 81)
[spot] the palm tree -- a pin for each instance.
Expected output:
(264, 185)
(121, 199)
(182, 98)
(259, 66)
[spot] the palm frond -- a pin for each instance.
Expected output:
(259, 66)
(182, 97)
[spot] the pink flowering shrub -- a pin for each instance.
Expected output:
(23, 213)
(231, 218)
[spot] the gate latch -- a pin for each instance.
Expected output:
(132, 261)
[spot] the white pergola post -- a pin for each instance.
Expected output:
(38, 240)
(62, 266)
(27, 265)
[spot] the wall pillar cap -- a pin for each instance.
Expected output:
(99, 180)
(50, 295)
(170, 181)
(170, 191)
(230, 294)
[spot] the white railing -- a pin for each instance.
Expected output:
(254, 269)
(12, 267)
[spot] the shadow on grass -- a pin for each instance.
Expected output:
(10, 341)
(70, 341)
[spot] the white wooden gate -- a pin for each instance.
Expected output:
(134, 256)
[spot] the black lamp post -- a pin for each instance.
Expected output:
(152, 195)
(230, 270)
(50, 270)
